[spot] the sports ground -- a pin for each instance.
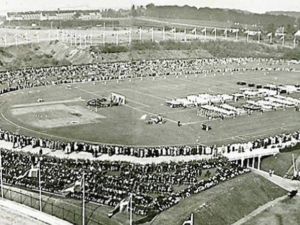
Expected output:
(63, 114)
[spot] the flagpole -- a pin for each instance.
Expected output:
(75, 39)
(174, 34)
(215, 33)
(131, 209)
(129, 36)
(40, 186)
(192, 219)
(16, 40)
(1, 174)
(83, 200)
(117, 37)
(293, 164)
(152, 35)
(140, 30)
(103, 37)
(80, 40)
(163, 31)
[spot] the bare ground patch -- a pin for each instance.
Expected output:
(59, 115)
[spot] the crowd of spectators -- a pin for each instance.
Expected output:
(26, 78)
(33, 77)
(108, 182)
(21, 141)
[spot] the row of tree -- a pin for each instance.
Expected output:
(266, 22)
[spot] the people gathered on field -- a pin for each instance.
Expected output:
(53, 75)
(155, 187)
(21, 141)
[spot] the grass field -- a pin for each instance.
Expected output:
(284, 212)
(122, 125)
(223, 204)
(282, 162)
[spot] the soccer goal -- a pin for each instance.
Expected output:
(117, 98)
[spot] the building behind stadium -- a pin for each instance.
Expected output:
(55, 15)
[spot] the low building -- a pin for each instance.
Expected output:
(55, 15)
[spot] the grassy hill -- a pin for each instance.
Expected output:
(57, 53)
(223, 204)
(285, 212)
(41, 55)
(282, 162)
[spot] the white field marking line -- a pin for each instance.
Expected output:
(48, 135)
(250, 134)
(257, 79)
(130, 100)
(46, 103)
(153, 96)
(209, 89)
(90, 92)
(103, 96)
(184, 110)
(16, 125)
(138, 109)
(270, 76)
(239, 137)
(190, 123)
(55, 136)
(282, 128)
(201, 83)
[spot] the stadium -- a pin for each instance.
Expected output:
(64, 113)
(113, 139)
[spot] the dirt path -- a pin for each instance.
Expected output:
(259, 210)
(281, 182)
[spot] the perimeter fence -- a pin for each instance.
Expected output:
(53, 206)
